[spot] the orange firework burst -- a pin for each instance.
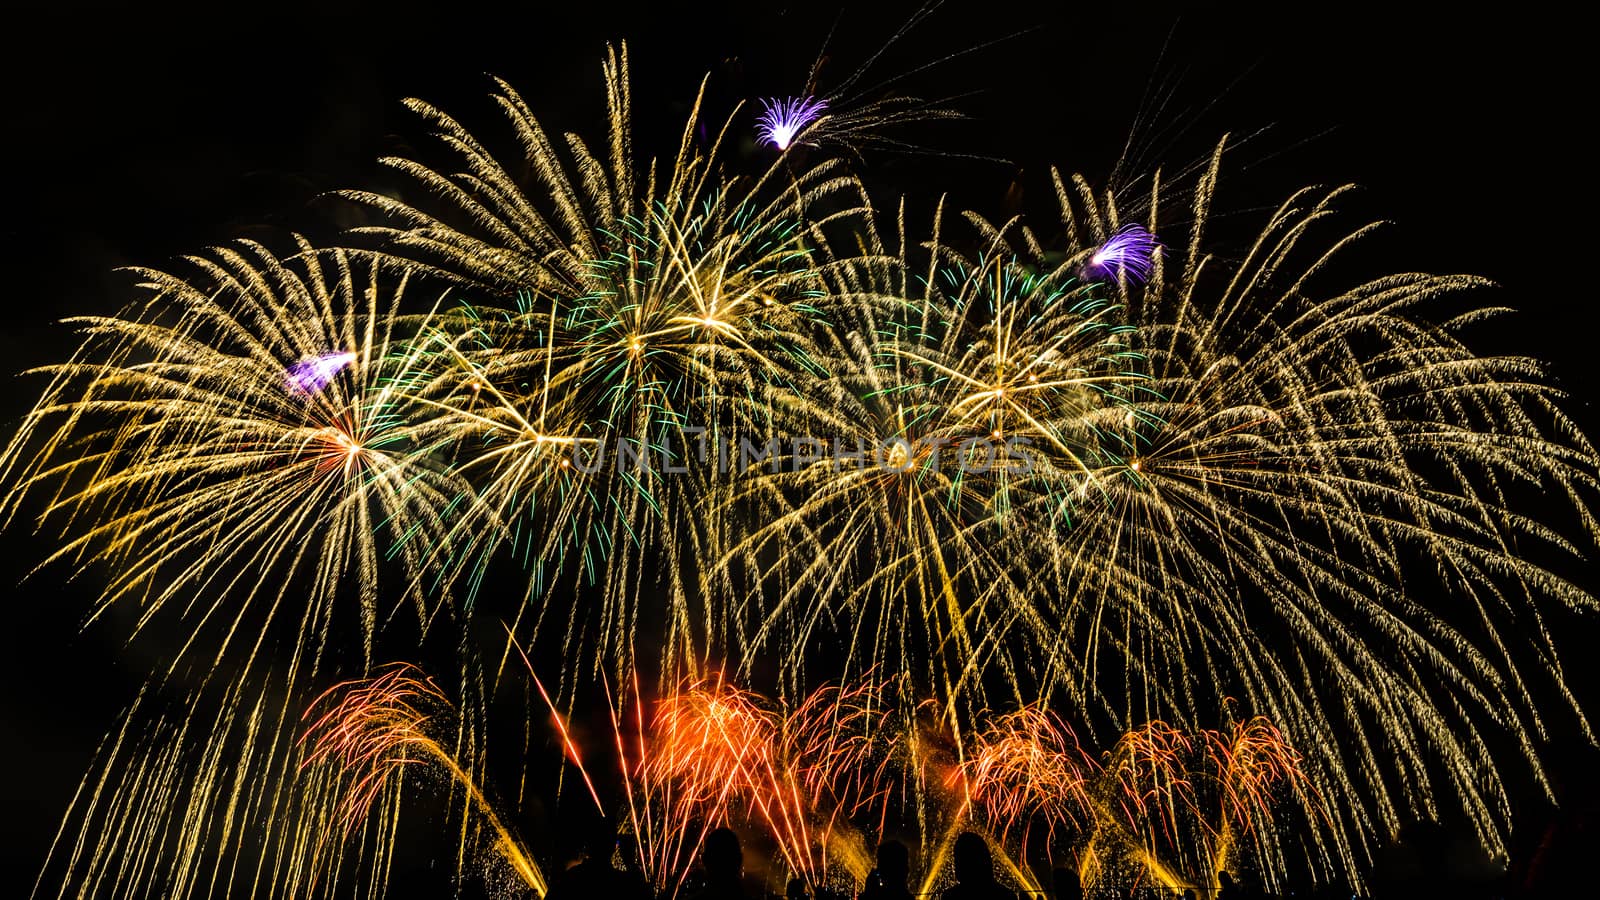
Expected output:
(721, 748)
(1029, 765)
(714, 738)
(1251, 763)
(841, 741)
(712, 754)
(1150, 778)
(374, 728)
(373, 731)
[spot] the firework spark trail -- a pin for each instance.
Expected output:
(660, 845)
(718, 755)
(569, 749)
(839, 746)
(1155, 812)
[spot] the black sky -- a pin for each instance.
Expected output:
(134, 136)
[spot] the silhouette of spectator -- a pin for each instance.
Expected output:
(888, 880)
(1188, 894)
(975, 872)
(723, 860)
(796, 891)
(631, 880)
(1227, 888)
(1066, 885)
(593, 875)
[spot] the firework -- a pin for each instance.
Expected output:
(1080, 474)
(210, 790)
(860, 111)
(649, 295)
(1129, 253)
(1251, 762)
(1028, 764)
(262, 521)
(841, 742)
(170, 452)
(1150, 782)
(711, 755)
(1292, 450)
(373, 730)
(370, 731)
(1252, 766)
(783, 120)
(309, 376)
(720, 747)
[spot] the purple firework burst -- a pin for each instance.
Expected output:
(311, 375)
(782, 120)
(1130, 253)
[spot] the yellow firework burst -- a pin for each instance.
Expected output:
(233, 453)
(651, 299)
(940, 408)
(1315, 512)
(237, 433)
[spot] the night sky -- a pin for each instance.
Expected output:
(132, 138)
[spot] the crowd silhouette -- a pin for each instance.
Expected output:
(606, 865)
(889, 880)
